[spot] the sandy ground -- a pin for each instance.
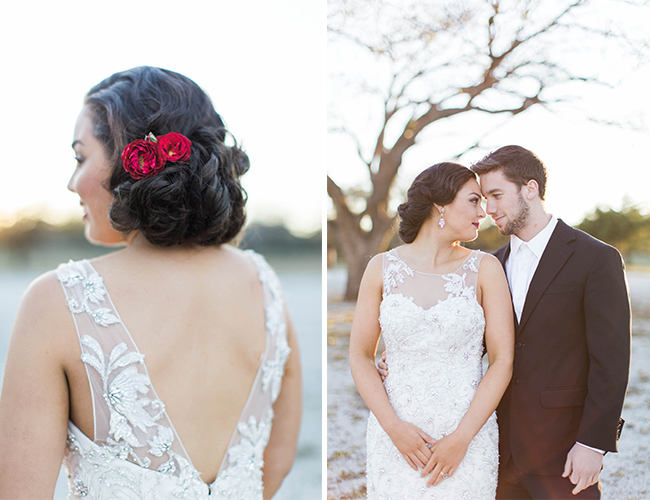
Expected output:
(626, 475)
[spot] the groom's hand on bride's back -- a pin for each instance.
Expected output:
(382, 367)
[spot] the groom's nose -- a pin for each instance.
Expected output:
(491, 207)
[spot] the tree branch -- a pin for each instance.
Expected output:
(344, 130)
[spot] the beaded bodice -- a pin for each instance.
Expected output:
(433, 328)
(136, 452)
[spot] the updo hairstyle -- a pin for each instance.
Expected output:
(437, 184)
(200, 201)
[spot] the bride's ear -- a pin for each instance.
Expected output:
(437, 209)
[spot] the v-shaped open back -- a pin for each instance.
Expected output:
(136, 448)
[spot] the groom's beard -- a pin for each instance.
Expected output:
(519, 219)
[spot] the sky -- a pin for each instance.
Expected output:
(261, 62)
(589, 164)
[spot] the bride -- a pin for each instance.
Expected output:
(168, 368)
(432, 432)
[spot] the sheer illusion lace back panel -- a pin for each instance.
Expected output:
(130, 420)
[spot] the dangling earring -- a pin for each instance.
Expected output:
(441, 222)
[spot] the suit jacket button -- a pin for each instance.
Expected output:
(519, 345)
(515, 381)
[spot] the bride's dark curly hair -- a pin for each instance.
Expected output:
(437, 184)
(200, 201)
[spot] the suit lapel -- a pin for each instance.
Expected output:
(502, 254)
(553, 259)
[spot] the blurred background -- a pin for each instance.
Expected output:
(412, 83)
(262, 65)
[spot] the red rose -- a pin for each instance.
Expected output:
(174, 147)
(142, 158)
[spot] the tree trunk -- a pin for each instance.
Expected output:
(358, 247)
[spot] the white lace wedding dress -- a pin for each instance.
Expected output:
(136, 453)
(433, 328)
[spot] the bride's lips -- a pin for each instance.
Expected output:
(475, 224)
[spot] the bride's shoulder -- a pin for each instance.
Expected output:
(45, 290)
(245, 258)
(489, 260)
(43, 311)
(249, 263)
(490, 268)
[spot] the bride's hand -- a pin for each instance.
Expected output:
(382, 367)
(446, 455)
(411, 441)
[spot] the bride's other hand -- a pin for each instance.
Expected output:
(382, 367)
(411, 441)
(446, 456)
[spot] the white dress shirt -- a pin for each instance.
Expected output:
(521, 266)
(523, 261)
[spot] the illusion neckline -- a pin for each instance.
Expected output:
(455, 271)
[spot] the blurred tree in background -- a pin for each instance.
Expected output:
(628, 229)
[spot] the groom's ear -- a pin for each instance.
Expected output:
(530, 189)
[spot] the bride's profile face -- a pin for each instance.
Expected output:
(88, 180)
(463, 215)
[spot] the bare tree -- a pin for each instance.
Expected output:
(437, 60)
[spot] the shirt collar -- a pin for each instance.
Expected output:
(538, 243)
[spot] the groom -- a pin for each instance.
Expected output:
(561, 412)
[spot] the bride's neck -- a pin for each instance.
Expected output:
(430, 247)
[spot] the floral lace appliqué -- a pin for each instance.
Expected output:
(455, 286)
(273, 370)
(93, 293)
(394, 272)
(243, 479)
(471, 263)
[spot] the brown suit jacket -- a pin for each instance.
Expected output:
(572, 355)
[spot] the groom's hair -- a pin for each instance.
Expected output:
(518, 164)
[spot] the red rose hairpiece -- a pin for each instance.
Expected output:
(146, 157)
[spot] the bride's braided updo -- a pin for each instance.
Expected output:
(200, 201)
